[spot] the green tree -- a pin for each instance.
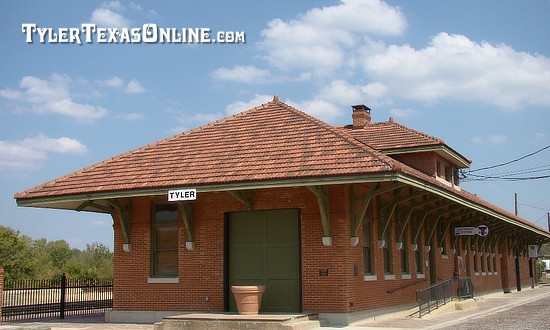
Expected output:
(16, 254)
(53, 257)
(23, 258)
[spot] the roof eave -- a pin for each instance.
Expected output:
(54, 201)
(72, 202)
(443, 150)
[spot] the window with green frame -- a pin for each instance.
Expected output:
(164, 242)
(418, 260)
(387, 251)
(489, 264)
(475, 257)
(441, 226)
(405, 254)
(482, 257)
(368, 268)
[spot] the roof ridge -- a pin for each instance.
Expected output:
(431, 137)
(392, 163)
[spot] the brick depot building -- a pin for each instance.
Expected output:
(340, 221)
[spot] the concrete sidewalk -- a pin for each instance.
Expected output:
(439, 319)
(448, 318)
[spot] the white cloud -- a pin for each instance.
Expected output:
(115, 5)
(245, 74)
(454, 67)
(134, 87)
(130, 116)
(25, 154)
(52, 96)
(240, 106)
(321, 109)
(342, 92)
(135, 6)
(105, 17)
(402, 113)
(112, 82)
(493, 139)
(321, 39)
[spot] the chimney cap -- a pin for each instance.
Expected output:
(360, 107)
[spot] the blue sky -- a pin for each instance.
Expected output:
(475, 74)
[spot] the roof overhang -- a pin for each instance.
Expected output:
(97, 202)
(442, 150)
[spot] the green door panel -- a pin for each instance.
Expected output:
(264, 249)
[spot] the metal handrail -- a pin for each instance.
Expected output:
(407, 285)
(435, 295)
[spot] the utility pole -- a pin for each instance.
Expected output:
(548, 215)
(516, 203)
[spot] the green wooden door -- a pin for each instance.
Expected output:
(264, 250)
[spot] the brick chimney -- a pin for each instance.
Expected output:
(361, 115)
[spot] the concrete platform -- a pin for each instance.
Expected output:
(236, 321)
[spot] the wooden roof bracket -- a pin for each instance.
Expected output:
(186, 211)
(408, 211)
(123, 215)
(364, 200)
(439, 215)
(442, 240)
(244, 197)
(94, 205)
(465, 243)
(384, 220)
(322, 195)
(424, 216)
(418, 226)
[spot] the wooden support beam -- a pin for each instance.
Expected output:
(447, 226)
(186, 211)
(94, 205)
(123, 215)
(322, 195)
(465, 242)
(424, 215)
(244, 197)
(384, 219)
(407, 212)
(364, 200)
(357, 218)
(438, 215)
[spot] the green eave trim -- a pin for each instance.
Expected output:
(49, 202)
(460, 160)
(300, 182)
(465, 202)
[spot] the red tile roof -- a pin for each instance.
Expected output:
(271, 141)
(391, 135)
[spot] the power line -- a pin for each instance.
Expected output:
(535, 207)
(511, 161)
(488, 177)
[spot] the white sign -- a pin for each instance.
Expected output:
(481, 230)
(182, 195)
(533, 251)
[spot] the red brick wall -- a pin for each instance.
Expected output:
(422, 161)
(201, 271)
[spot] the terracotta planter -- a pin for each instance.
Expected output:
(248, 298)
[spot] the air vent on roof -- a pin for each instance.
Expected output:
(360, 115)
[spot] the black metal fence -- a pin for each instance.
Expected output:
(436, 295)
(28, 299)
